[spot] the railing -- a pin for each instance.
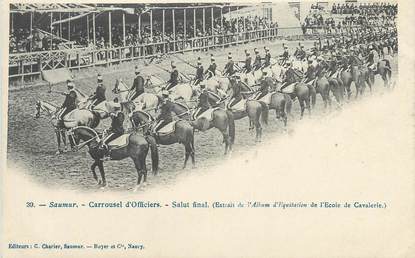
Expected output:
(29, 66)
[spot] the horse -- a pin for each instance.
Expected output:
(301, 91)
(254, 109)
(321, 86)
(384, 72)
(145, 100)
(182, 133)
(74, 118)
(136, 148)
(219, 118)
(180, 91)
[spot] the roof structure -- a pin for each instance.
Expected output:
(54, 7)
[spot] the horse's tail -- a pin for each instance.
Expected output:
(154, 153)
(264, 113)
(288, 104)
(231, 122)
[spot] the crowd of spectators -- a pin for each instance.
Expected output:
(21, 40)
(343, 16)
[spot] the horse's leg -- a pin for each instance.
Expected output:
(63, 137)
(226, 140)
(58, 138)
(186, 155)
(93, 166)
(141, 170)
(307, 104)
(101, 171)
(301, 101)
(313, 94)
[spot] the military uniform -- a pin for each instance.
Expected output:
(211, 71)
(99, 95)
(203, 103)
(165, 116)
(266, 84)
(138, 86)
(173, 81)
(257, 62)
(237, 95)
(229, 71)
(199, 74)
(68, 105)
(116, 129)
(267, 59)
(248, 63)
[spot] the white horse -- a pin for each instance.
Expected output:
(74, 118)
(183, 90)
(145, 101)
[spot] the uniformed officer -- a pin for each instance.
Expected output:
(99, 95)
(267, 58)
(236, 88)
(229, 67)
(174, 76)
(285, 55)
(199, 72)
(69, 103)
(266, 84)
(211, 71)
(138, 84)
(203, 101)
(257, 62)
(165, 116)
(116, 129)
(248, 62)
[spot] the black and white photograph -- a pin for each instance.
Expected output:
(299, 109)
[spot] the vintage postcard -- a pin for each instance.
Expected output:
(207, 129)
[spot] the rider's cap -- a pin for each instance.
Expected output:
(202, 84)
(256, 50)
(71, 85)
(247, 54)
(99, 77)
(199, 63)
(264, 72)
(212, 60)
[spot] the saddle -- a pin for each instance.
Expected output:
(167, 129)
(68, 121)
(267, 98)
(289, 89)
(240, 106)
(119, 142)
(208, 114)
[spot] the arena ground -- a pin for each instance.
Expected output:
(32, 143)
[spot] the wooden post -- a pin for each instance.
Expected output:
(123, 29)
(69, 27)
(174, 31)
(60, 25)
(164, 29)
(109, 30)
(139, 25)
(151, 24)
(184, 25)
(194, 22)
(93, 29)
(31, 32)
(11, 21)
(204, 20)
(51, 31)
(211, 16)
(87, 27)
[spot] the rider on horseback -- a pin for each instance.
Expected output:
(248, 62)
(69, 104)
(203, 103)
(229, 67)
(300, 54)
(266, 84)
(211, 71)
(99, 95)
(257, 62)
(290, 76)
(138, 84)
(116, 129)
(174, 76)
(236, 89)
(310, 73)
(165, 116)
(199, 72)
(285, 55)
(267, 58)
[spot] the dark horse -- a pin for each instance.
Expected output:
(136, 148)
(183, 133)
(302, 92)
(221, 119)
(254, 109)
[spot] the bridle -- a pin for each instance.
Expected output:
(77, 147)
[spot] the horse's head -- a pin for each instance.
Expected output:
(180, 109)
(83, 133)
